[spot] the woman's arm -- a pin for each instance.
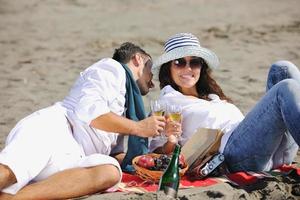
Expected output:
(172, 131)
(168, 147)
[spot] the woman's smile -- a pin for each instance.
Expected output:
(187, 76)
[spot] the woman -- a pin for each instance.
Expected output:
(262, 140)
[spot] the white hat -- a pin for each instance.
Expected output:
(185, 44)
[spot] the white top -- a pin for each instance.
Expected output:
(98, 90)
(199, 113)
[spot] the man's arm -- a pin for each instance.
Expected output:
(111, 122)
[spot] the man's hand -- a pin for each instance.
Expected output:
(150, 127)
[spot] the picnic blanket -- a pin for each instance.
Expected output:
(133, 183)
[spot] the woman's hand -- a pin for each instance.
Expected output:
(172, 129)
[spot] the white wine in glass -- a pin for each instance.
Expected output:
(157, 107)
(175, 116)
(159, 113)
(174, 113)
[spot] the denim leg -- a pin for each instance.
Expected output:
(254, 142)
(288, 148)
(286, 151)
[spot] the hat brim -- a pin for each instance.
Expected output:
(210, 57)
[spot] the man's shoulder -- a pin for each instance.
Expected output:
(108, 62)
(106, 65)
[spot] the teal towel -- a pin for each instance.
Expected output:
(135, 111)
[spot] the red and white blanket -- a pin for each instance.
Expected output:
(133, 183)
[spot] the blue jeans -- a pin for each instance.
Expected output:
(270, 133)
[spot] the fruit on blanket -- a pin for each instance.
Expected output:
(159, 163)
(146, 161)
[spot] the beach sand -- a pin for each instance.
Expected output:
(45, 44)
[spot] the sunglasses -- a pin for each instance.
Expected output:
(194, 63)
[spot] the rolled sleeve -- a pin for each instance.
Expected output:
(100, 85)
(21, 175)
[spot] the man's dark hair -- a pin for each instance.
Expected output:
(125, 52)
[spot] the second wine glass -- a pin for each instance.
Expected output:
(175, 114)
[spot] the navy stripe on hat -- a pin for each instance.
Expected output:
(181, 41)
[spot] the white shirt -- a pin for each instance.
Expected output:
(98, 90)
(200, 113)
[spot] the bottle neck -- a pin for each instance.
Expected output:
(175, 156)
(177, 150)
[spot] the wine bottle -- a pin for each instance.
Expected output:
(169, 181)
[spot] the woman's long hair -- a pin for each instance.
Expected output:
(206, 84)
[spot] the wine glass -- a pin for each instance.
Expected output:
(157, 107)
(175, 114)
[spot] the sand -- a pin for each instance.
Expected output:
(45, 44)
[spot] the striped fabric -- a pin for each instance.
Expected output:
(181, 40)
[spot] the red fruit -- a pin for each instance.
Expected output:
(146, 161)
(181, 160)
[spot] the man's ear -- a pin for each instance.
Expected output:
(135, 60)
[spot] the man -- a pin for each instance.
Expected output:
(63, 150)
(136, 145)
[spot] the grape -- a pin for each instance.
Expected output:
(161, 163)
(163, 157)
(164, 166)
(158, 163)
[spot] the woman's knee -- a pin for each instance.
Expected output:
(283, 64)
(289, 85)
(281, 70)
(288, 95)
